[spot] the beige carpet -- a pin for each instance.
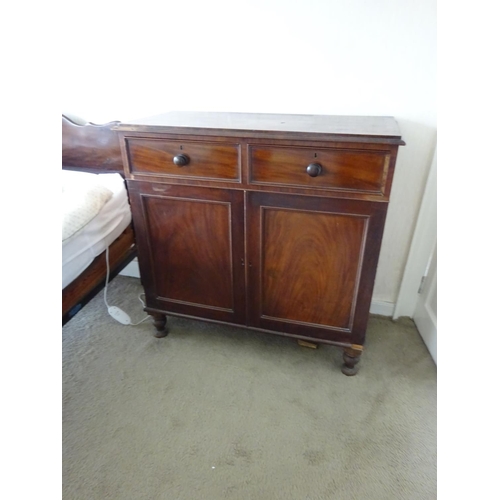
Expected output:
(213, 412)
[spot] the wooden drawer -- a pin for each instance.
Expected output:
(206, 160)
(340, 169)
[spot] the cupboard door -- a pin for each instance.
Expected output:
(191, 249)
(310, 271)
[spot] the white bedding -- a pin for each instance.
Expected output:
(83, 196)
(90, 232)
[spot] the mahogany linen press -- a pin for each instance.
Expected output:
(269, 222)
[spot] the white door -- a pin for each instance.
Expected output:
(425, 316)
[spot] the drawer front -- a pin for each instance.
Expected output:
(338, 169)
(184, 159)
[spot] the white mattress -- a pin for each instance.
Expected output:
(80, 249)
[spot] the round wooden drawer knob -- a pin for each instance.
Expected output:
(313, 169)
(181, 160)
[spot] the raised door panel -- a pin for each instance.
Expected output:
(310, 269)
(194, 241)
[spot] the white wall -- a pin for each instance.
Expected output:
(360, 57)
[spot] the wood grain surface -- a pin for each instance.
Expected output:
(90, 147)
(340, 169)
(310, 266)
(313, 127)
(310, 258)
(206, 160)
(192, 247)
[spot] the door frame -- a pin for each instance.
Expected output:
(421, 249)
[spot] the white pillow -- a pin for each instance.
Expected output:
(82, 199)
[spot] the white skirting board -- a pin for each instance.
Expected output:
(382, 308)
(132, 269)
(377, 306)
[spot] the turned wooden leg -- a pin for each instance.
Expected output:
(160, 322)
(351, 359)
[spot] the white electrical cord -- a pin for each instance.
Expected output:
(115, 312)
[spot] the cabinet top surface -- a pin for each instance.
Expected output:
(385, 127)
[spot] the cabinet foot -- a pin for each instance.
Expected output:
(160, 322)
(351, 359)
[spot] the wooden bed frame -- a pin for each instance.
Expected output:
(94, 148)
